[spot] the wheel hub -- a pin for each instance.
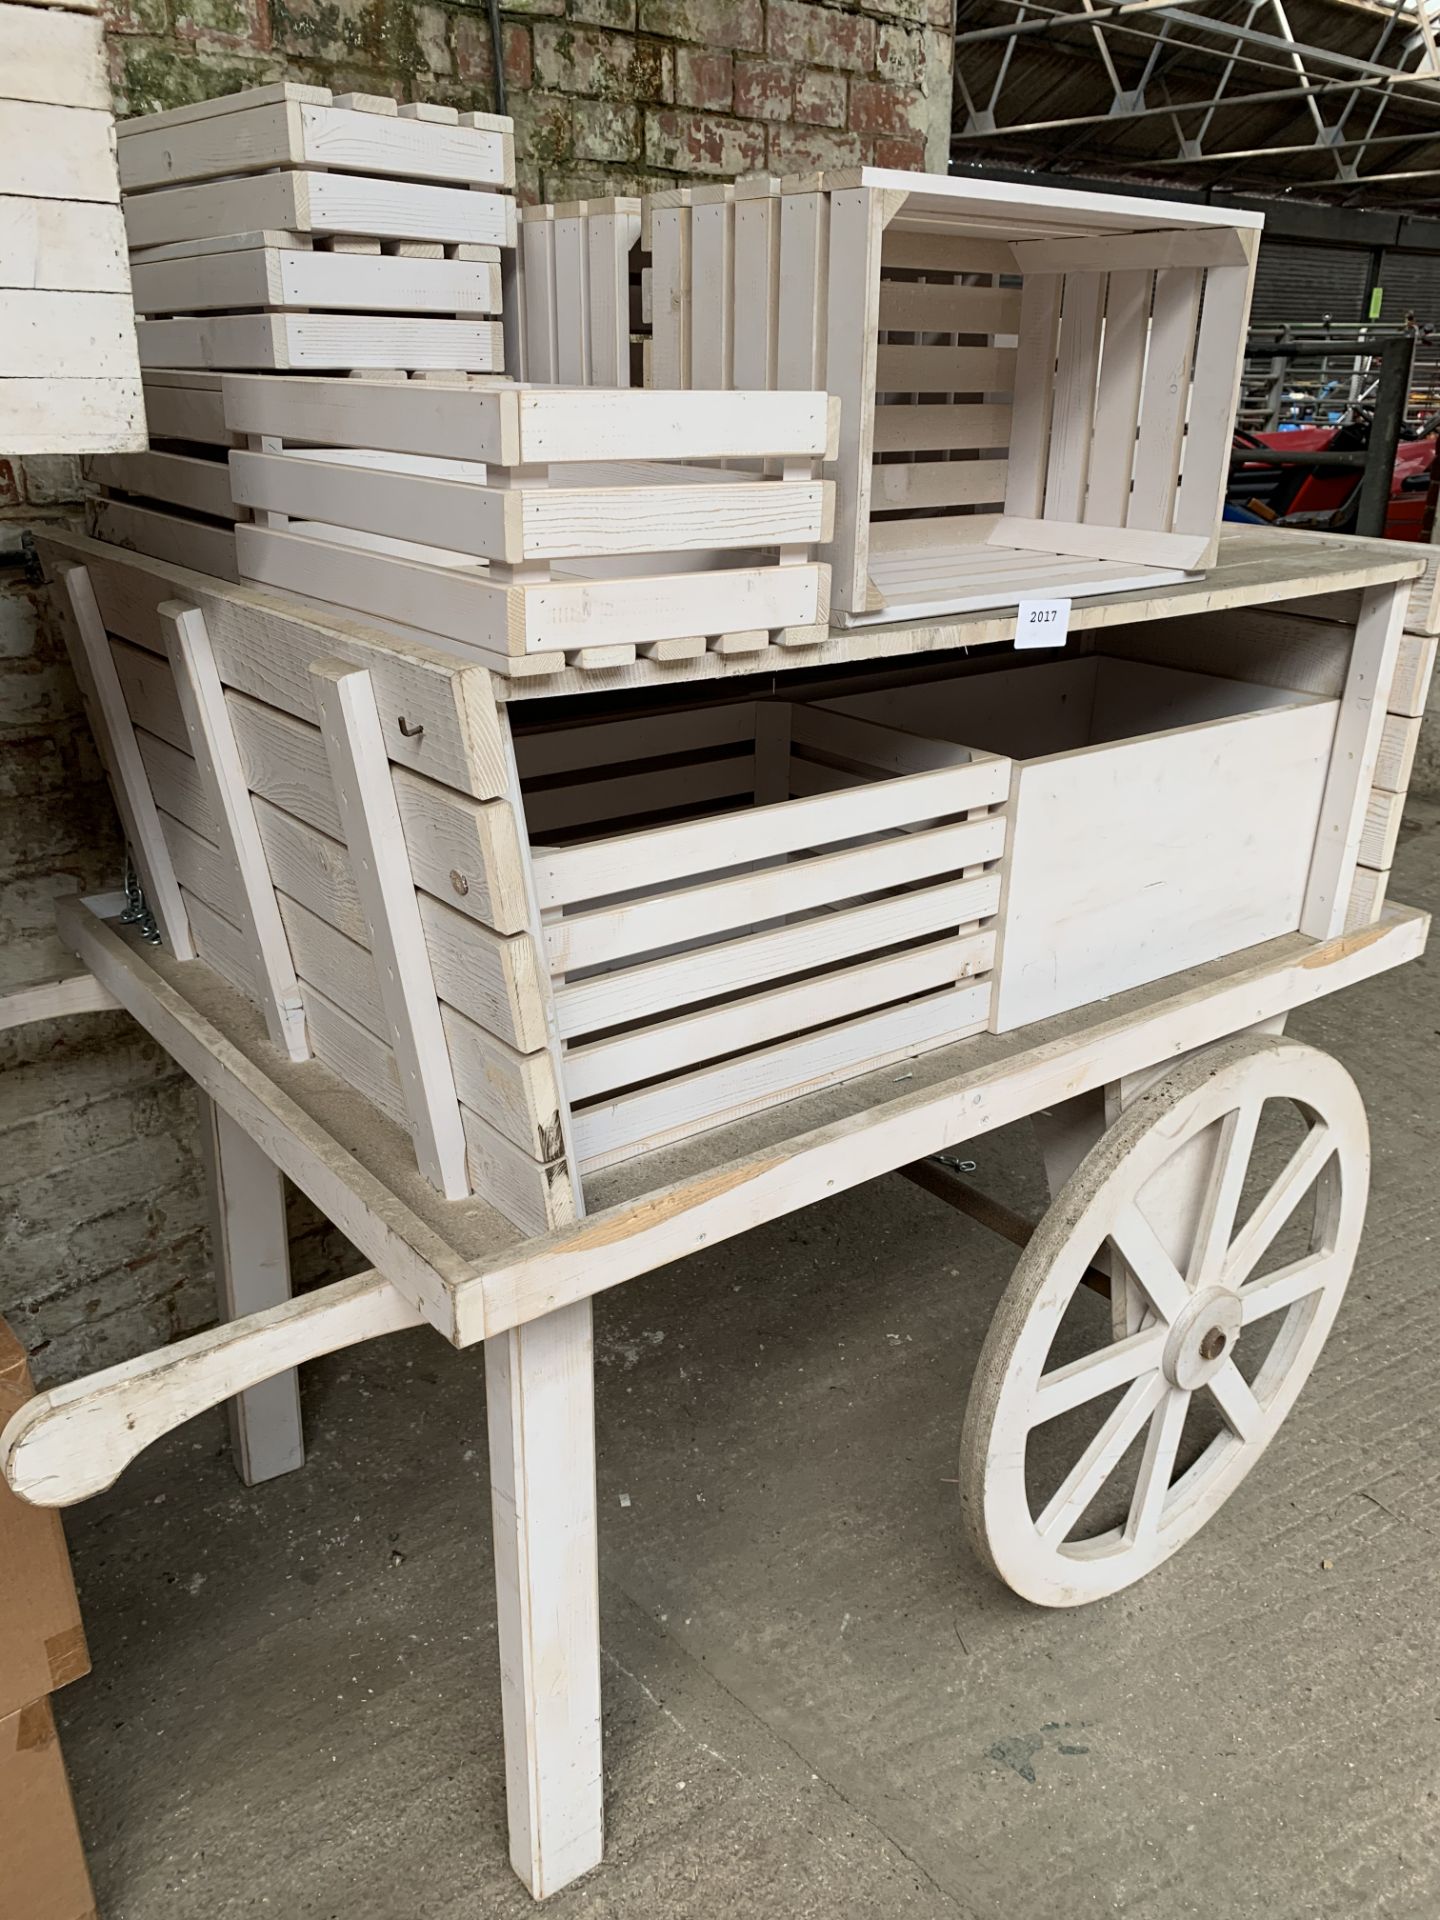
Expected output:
(1203, 1338)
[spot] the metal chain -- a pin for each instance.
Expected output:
(137, 912)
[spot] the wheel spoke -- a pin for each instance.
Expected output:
(1139, 1244)
(1233, 1148)
(1243, 1413)
(1100, 1459)
(1086, 1379)
(1301, 1172)
(1162, 1443)
(1285, 1287)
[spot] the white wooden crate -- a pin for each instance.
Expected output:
(309, 201)
(1037, 385)
(744, 901)
(69, 379)
(587, 537)
(1159, 818)
(288, 125)
(321, 342)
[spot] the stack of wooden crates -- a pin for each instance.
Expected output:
(69, 382)
(289, 229)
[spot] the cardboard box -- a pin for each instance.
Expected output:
(42, 1644)
(42, 1863)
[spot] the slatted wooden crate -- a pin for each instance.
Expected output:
(69, 378)
(573, 295)
(1036, 385)
(300, 160)
(1399, 739)
(750, 900)
(584, 537)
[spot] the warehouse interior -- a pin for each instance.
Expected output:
(816, 1699)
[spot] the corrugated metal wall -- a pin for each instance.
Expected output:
(1299, 282)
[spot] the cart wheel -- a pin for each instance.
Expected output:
(1088, 1459)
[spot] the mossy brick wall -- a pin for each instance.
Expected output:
(608, 95)
(102, 1237)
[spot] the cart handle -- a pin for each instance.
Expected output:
(76, 1440)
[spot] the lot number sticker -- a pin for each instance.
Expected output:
(1042, 623)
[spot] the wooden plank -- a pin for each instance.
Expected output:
(1134, 252)
(1086, 541)
(1353, 760)
(936, 483)
(68, 246)
(632, 1122)
(1414, 666)
(542, 313)
(1073, 425)
(311, 202)
(66, 336)
(217, 761)
(1219, 368)
(857, 222)
(939, 429)
(250, 1252)
(1395, 759)
(1117, 398)
(713, 292)
(53, 57)
(945, 369)
(1367, 898)
(530, 523)
(309, 342)
(804, 273)
(277, 277)
(1381, 832)
(610, 234)
(1035, 379)
(57, 152)
(360, 768)
(465, 606)
(672, 298)
(572, 299)
(90, 656)
(755, 292)
(1164, 399)
(913, 306)
(194, 544)
(54, 1000)
(539, 1399)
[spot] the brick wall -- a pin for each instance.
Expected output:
(102, 1239)
(608, 95)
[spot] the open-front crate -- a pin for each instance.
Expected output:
(746, 901)
(1036, 385)
(522, 525)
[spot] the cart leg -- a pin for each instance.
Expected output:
(251, 1252)
(540, 1395)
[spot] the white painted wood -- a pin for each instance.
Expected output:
(307, 342)
(1199, 1293)
(539, 1397)
(360, 768)
(178, 478)
(66, 336)
(572, 296)
(1164, 400)
(54, 57)
(58, 152)
(804, 270)
(90, 656)
(294, 133)
(1034, 377)
(311, 202)
(250, 1253)
(670, 365)
(278, 277)
(67, 246)
(1354, 760)
(197, 544)
(74, 1441)
(712, 309)
(217, 761)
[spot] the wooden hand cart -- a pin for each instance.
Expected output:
(1148, 1081)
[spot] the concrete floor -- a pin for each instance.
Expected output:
(816, 1704)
